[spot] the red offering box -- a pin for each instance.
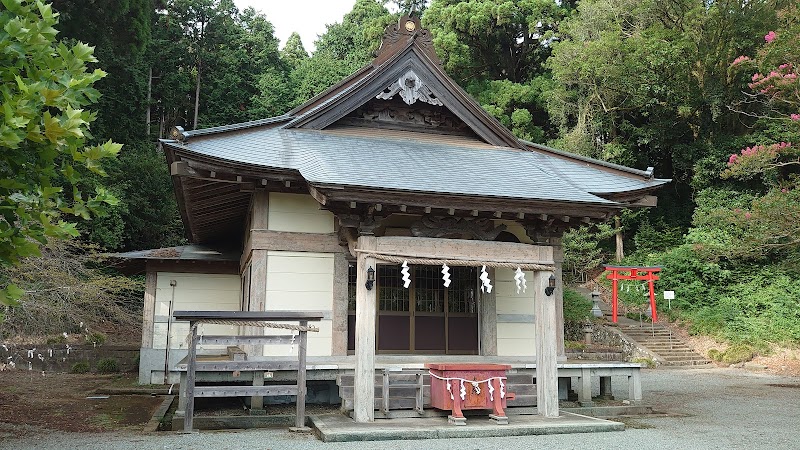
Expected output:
(478, 393)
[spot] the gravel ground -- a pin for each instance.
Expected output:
(706, 409)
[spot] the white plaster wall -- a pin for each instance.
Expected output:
(298, 213)
(195, 292)
(301, 281)
(514, 339)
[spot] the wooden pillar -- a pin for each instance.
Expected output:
(191, 360)
(488, 324)
(620, 252)
(257, 283)
(300, 419)
(339, 322)
(546, 355)
(256, 270)
(148, 309)
(364, 382)
(558, 259)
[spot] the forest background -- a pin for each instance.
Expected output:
(704, 91)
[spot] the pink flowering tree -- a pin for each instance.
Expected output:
(769, 227)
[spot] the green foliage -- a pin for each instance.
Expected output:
(645, 83)
(649, 238)
(646, 362)
(80, 367)
(574, 345)
(497, 49)
(715, 355)
(582, 252)
(45, 135)
(576, 307)
(107, 365)
(737, 303)
(345, 47)
(57, 339)
(737, 354)
(95, 338)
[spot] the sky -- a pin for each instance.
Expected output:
(307, 17)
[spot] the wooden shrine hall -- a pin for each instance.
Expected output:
(420, 228)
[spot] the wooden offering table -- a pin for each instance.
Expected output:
(469, 386)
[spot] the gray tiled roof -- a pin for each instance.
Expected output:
(419, 165)
(183, 253)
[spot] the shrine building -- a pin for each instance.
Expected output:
(321, 208)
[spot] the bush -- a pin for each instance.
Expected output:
(646, 362)
(79, 367)
(574, 345)
(577, 308)
(95, 338)
(715, 355)
(738, 353)
(108, 365)
(57, 339)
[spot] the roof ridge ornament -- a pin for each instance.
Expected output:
(396, 37)
(411, 89)
(177, 133)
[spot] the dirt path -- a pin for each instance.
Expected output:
(58, 401)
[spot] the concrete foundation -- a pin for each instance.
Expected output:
(339, 428)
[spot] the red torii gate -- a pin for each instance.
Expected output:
(649, 275)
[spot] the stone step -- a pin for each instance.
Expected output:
(671, 356)
(693, 362)
(667, 347)
(648, 333)
(667, 355)
(651, 335)
(681, 356)
(673, 349)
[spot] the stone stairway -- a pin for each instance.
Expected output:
(659, 340)
(656, 339)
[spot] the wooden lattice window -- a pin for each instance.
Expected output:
(461, 294)
(428, 289)
(392, 296)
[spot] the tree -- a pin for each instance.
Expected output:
(417, 7)
(44, 134)
(768, 223)
(496, 50)
(293, 53)
(342, 49)
(121, 32)
(233, 52)
(646, 83)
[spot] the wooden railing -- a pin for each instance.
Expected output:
(249, 318)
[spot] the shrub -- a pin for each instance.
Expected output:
(95, 338)
(79, 367)
(574, 345)
(57, 339)
(576, 307)
(107, 365)
(738, 353)
(715, 355)
(646, 362)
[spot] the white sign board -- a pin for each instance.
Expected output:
(669, 295)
